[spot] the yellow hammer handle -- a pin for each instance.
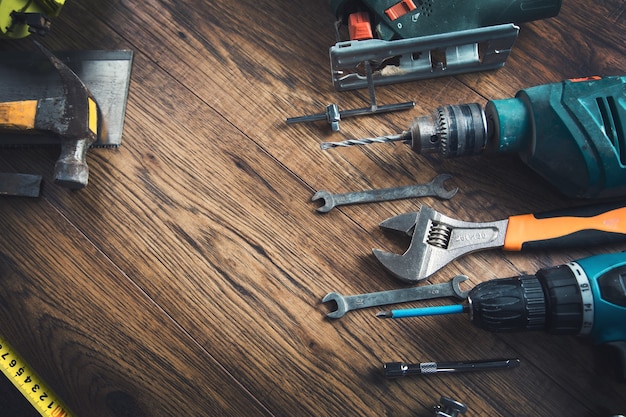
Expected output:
(18, 115)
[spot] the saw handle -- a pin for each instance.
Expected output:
(576, 227)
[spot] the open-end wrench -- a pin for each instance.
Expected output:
(346, 303)
(434, 188)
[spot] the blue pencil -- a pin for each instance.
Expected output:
(421, 312)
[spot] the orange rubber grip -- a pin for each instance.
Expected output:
(531, 231)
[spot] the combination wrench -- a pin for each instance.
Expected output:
(434, 188)
(347, 303)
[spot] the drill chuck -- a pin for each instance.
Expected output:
(508, 304)
(453, 130)
(550, 300)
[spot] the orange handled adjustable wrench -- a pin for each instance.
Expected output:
(438, 239)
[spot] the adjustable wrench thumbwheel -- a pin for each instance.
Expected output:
(435, 188)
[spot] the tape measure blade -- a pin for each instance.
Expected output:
(29, 384)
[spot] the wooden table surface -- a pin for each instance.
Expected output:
(187, 278)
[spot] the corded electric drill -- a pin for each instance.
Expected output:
(573, 133)
(586, 298)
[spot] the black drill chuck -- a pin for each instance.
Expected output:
(549, 300)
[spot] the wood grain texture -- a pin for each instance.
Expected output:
(186, 279)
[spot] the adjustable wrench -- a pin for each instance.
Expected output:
(346, 303)
(437, 240)
(434, 188)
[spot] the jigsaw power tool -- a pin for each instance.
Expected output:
(585, 298)
(20, 18)
(573, 133)
(406, 40)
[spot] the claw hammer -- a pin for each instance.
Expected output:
(75, 118)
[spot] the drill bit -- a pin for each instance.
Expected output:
(404, 136)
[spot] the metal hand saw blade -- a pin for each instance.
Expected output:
(29, 75)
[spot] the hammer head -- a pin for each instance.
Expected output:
(78, 125)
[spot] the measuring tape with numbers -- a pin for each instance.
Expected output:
(30, 384)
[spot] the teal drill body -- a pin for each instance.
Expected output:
(607, 279)
(573, 133)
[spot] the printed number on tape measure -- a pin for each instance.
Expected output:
(29, 384)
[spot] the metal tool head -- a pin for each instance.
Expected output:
(339, 299)
(436, 241)
(78, 127)
(76, 95)
(329, 201)
(33, 76)
(440, 189)
(456, 286)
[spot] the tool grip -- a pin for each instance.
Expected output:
(18, 115)
(581, 226)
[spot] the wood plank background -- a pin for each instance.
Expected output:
(186, 279)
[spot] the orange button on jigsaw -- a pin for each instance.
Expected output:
(359, 26)
(400, 9)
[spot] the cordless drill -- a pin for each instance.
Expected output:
(573, 133)
(586, 298)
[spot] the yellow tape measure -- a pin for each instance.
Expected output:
(30, 384)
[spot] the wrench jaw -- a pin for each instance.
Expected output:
(329, 201)
(436, 241)
(411, 266)
(402, 223)
(421, 258)
(342, 308)
(440, 189)
(456, 287)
